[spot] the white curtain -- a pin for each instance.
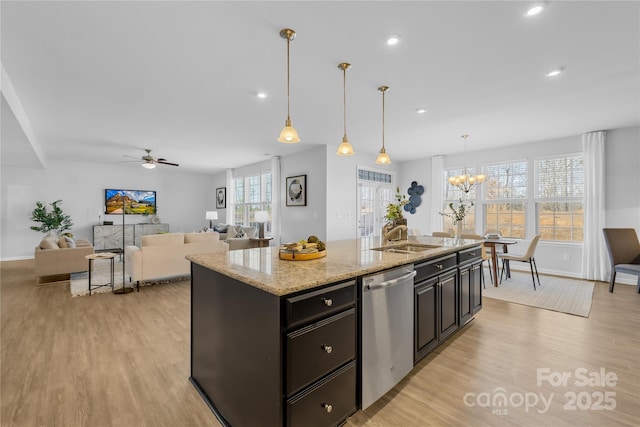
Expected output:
(276, 200)
(230, 210)
(437, 181)
(595, 259)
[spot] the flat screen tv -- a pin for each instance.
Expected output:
(135, 202)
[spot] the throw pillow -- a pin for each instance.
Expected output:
(62, 242)
(49, 244)
(71, 243)
(240, 233)
(222, 228)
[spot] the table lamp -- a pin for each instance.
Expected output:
(211, 216)
(261, 217)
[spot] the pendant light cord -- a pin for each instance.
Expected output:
(288, 96)
(383, 119)
(344, 103)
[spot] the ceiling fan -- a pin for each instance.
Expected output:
(149, 162)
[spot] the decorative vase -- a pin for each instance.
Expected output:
(459, 229)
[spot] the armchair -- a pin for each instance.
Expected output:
(624, 253)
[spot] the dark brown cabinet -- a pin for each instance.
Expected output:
(435, 304)
(320, 363)
(258, 359)
(470, 267)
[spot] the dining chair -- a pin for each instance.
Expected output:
(486, 256)
(624, 252)
(528, 257)
(441, 234)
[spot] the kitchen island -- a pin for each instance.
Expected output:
(275, 342)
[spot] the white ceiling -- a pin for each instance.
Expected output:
(99, 80)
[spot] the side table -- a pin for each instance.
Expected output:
(101, 255)
(261, 242)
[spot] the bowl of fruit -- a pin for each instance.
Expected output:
(311, 248)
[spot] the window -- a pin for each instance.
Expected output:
(453, 194)
(505, 199)
(252, 193)
(559, 198)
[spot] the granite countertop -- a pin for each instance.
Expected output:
(346, 259)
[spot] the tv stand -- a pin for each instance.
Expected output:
(109, 237)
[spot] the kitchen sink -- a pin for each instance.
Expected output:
(407, 248)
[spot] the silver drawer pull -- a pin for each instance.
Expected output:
(440, 266)
(327, 348)
(472, 253)
(327, 407)
(327, 302)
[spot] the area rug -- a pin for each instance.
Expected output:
(571, 296)
(100, 275)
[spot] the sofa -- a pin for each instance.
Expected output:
(235, 243)
(163, 255)
(60, 255)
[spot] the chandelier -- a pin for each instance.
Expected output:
(466, 182)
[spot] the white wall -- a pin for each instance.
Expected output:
(183, 198)
(342, 194)
(420, 171)
(622, 166)
(299, 222)
(217, 181)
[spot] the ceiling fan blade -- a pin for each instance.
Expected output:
(131, 157)
(164, 162)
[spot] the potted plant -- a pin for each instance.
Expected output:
(394, 214)
(457, 215)
(54, 220)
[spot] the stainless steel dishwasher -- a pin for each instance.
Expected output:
(387, 331)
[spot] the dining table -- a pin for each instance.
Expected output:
(492, 243)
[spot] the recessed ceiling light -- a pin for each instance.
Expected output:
(393, 40)
(421, 110)
(535, 9)
(262, 95)
(555, 72)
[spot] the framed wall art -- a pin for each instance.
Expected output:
(221, 198)
(296, 187)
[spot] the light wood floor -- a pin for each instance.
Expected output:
(123, 360)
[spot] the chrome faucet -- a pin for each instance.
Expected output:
(387, 236)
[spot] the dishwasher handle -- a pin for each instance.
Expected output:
(392, 282)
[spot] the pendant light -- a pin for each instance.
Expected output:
(383, 157)
(288, 135)
(345, 149)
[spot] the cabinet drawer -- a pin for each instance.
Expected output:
(318, 349)
(326, 403)
(470, 255)
(320, 303)
(435, 267)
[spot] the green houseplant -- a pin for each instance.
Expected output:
(394, 216)
(55, 220)
(394, 210)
